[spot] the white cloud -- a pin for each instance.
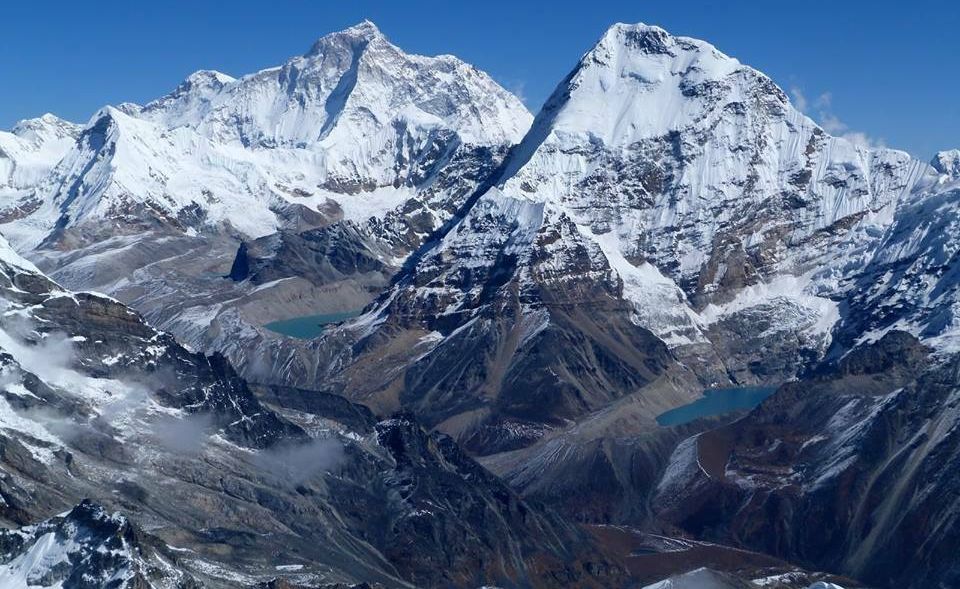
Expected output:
(518, 89)
(296, 463)
(799, 99)
(821, 109)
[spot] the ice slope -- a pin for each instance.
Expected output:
(912, 283)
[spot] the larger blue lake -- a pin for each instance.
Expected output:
(716, 402)
(309, 326)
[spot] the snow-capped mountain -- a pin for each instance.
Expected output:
(87, 548)
(709, 194)
(355, 137)
(694, 150)
(27, 154)
(347, 91)
(665, 192)
(354, 121)
(538, 289)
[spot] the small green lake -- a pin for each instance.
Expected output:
(716, 402)
(309, 326)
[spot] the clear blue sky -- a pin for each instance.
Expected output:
(888, 70)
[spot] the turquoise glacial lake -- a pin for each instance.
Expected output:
(309, 326)
(716, 402)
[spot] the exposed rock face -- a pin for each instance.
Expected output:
(602, 469)
(948, 163)
(485, 542)
(848, 470)
(506, 350)
(322, 256)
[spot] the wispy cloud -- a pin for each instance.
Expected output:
(799, 99)
(296, 463)
(821, 109)
(519, 89)
(185, 435)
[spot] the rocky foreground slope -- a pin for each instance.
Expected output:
(232, 492)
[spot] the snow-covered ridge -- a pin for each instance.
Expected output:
(350, 81)
(31, 150)
(678, 154)
(11, 258)
(355, 125)
(643, 76)
(705, 578)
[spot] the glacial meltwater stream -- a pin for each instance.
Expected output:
(716, 402)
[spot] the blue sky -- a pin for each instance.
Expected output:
(887, 71)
